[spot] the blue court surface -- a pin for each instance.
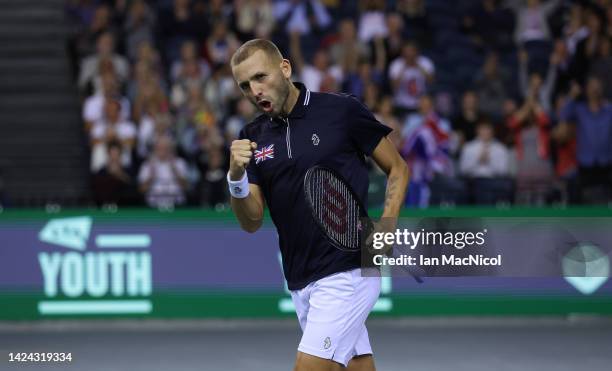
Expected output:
(440, 344)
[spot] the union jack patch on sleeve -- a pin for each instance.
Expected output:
(264, 153)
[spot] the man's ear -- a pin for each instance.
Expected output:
(285, 66)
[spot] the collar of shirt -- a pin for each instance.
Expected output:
(299, 110)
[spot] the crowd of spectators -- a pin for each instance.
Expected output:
(490, 101)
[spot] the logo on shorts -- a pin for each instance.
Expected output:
(326, 343)
(315, 139)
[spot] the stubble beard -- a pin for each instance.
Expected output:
(283, 92)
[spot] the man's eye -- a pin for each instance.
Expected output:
(260, 77)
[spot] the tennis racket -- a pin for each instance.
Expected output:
(337, 210)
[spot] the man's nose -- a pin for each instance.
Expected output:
(257, 89)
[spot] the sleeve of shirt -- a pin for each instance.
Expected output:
(363, 128)
(251, 168)
(394, 69)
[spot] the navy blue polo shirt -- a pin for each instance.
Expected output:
(334, 130)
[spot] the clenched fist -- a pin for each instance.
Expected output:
(241, 152)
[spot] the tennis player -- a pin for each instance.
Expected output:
(297, 130)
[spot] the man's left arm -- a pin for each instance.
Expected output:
(389, 160)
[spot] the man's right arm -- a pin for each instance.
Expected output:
(248, 210)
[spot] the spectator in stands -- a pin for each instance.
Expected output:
(213, 185)
(355, 82)
(191, 77)
(189, 54)
(588, 48)
(220, 89)
(245, 112)
(532, 20)
(394, 40)
(138, 27)
(530, 125)
(112, 184)
(425, 147)
(485, 165)
(302, 16)
(148, 55)
(371, 95)
(219, 10)
(254, 19)
(194, 117)
(575, 28)
(491, 86)
(347, 51)
(163, 177)
(111, 128)
(416, 20)
(593, 129)
(178, 23)
(80, 11)
(484, 156)
(99, 23)
(602, 65)
(152, 125)
(318, 76)
(464, 122)
(566, 165)
(531, 84)
(372, 23)
(90, 67)
(384, 113)
(489, 25)
(221, 44)
(203, 119)
(410, 75)
(148, 90)
(93, 107)
(561, 62)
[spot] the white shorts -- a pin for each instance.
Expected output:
(332, 313)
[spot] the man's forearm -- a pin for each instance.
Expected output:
(397, 182)
(248, 211)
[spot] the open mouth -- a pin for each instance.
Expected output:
(265, 105)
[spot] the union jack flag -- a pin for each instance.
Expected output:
(264, 153)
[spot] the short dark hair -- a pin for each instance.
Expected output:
(252, 46)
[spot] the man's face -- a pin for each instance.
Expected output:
(163, 149)
(263, 82)
(484, 132)
(470, 101)
(425, 105)
(593, 89)
(410, 53)
(112, 109)
(105, 45)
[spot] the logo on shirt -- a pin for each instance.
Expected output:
(326, 343)
(315, 139)
(264, 153)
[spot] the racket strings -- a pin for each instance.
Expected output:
(336, 208)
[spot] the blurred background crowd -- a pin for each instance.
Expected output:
(491, 102)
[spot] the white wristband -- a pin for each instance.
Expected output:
(239, 188)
